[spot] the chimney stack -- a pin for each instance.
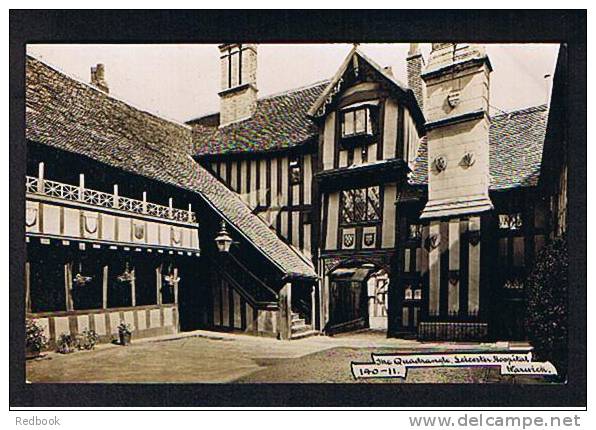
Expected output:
(238, 95)
(415, 64)
(98, 79)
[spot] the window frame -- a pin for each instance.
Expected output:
(370, 118)
(366, 220)
(518, 226)
(416, 227)
(228, 57)
(295, 170)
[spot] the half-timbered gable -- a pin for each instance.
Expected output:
(369, 130)
(366, 116)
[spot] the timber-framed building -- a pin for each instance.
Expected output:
(355, 202)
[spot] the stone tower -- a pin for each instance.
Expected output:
(457, 122)
(457, 80)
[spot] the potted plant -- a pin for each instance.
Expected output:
(66, 343)
(124, 333)
(87, 339)
(35, 339)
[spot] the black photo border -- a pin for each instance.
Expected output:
(201, 26)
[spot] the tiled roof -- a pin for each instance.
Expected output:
(516, 141)
(72, 116)
(283, 121)
(280, 121)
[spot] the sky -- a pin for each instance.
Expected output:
(181, 82)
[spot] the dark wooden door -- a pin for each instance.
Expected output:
(347, 306)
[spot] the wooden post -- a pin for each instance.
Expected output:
(116, 202)
(133, 288)
(313, 306)
(81, 186)
(105, 287)
(68, 286)
(170, 205)
(285, 312)
(324, 301)
(189, 212)
(175, 285)
(40, 176)
(144, 201)
(158, 284)
(27, 287)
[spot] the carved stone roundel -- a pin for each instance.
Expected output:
(468, 160)
(440, 164)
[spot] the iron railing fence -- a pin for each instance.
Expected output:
(428, 330)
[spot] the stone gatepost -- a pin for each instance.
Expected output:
(284, 319)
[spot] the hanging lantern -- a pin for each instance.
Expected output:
(171, 279)
(223, 240)
(79, 279)
(127, 275)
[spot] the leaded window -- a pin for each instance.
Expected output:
(415, 231)
(361, 205)
(294, 170)
(511, 221)
(357, 121)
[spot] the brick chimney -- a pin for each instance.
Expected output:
(98, 78)
(415, 65)
(457, 82)
(238, 95)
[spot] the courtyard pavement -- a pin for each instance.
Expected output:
(210, 357)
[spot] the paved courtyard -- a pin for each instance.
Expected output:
(208, 357)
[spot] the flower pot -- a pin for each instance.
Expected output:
(124, 338)
(31, 354)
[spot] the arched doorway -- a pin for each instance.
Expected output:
(358, 295)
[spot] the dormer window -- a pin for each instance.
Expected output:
(357, 121)
(232, 59)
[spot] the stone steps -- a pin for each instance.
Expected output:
(300, 329)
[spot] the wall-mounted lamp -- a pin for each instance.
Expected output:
(223, 240)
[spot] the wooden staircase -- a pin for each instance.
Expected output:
(300, 329)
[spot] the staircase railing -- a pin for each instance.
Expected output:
(303, 308)
(250, 286)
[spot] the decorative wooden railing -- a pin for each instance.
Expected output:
(251, 286)
(63, 191)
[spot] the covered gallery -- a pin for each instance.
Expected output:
(115, 211)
